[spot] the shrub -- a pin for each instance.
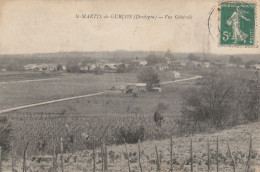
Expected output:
(5, 135)
(131, 131)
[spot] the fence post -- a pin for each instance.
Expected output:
(157, 159)
(191, 156)
(233, 162)
(217, 154)
(61, 156)
(249, 155)
(127, 155)
(94, 155)
(139, 153)
(208, 156)
(171, 170)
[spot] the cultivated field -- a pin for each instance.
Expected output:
(110, 117)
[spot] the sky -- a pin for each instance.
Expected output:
(43, 26)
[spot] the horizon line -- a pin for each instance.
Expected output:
(57, 52)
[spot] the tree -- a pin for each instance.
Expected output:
(73, 67)
(121, 68)
(158, 114)
(169, 54)
(59, 67)
(152, 59)
(251, 101)
(13, 67)
(98, 71)
(149, 76)
(192, 57)
(88, 60)
(211, 102)
(221, 100)
(235, 60)
(250, 62)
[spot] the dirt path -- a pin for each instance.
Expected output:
(181, 80)
(49, 102)
(30, 80)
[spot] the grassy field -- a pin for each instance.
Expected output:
(20, 76)
(22, 93)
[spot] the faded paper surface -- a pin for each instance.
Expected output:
(29, 26)
(46, 105)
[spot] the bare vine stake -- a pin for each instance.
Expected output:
(217, 154)
(127, 156)
(171, 170)
(61, 156)
(249, 155)
(191, 156)
(102, 155)
(0, 159)
(233, 162)
(54, 156)
(24, 157)
(157, 159)
(12, 155)
(105, 156)
(208, 156)
(94, 155)
(139, 152)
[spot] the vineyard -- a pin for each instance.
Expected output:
(235, 149)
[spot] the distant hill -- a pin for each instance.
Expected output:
(63, 57)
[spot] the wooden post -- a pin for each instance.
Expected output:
(102, 155)
(139, 153)
(208, 156)
(12, 155)
(217, 154)
(24, 157)
(61, 155)
(54, 158)
(249, 155)
(0, 159)
(171, 170)
(233, 162)
(105, 157)
(157, 160)
(127, 156)
(191, 156)
(94, 155)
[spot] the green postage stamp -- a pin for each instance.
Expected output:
(237, 23)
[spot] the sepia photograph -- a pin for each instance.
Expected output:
(129, 86)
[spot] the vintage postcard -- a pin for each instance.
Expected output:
(129, 86)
